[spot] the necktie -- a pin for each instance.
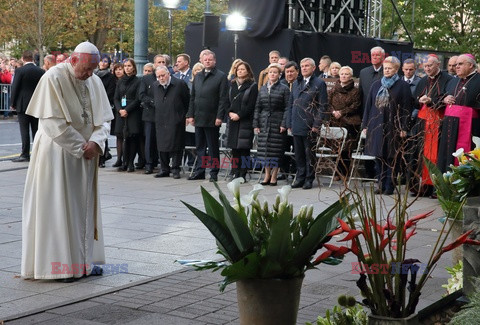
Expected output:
(182, 76)
(409, 81)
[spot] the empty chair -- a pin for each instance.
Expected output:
(358, 156)
(328, 151)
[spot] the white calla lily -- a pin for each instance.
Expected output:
(234, 186)
(458, 153)
(252, 195)
(284, 192)
(476, 140)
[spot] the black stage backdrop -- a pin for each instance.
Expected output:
(265, 16)
(350, 50)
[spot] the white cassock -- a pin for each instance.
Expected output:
(61, 208)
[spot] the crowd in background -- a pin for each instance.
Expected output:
(398, 112)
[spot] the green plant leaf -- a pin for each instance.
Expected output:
(220, 232)
(212, 207)
(237, 226)
(323, 224)
(246, 268)
(279, 247)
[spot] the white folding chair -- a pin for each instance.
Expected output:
(189, 129)
(227, 153)
(358, 156)
(328, 150)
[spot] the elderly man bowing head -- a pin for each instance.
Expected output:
(61, 225)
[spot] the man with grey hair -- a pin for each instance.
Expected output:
(429, 108)
(306, 111)
(62, 234)
(171, 98)
(367, 76)
(461, 120)
(324, 66)
(273, 57)
(49, 61)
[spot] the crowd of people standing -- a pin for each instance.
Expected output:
(400, 114)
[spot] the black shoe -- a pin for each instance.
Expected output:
(118, 163)
(195, 177)
(130, 169)
(307, 185)
(176, 174)
(101, 164)
(265, 182)
(66, 280)
(96, 271)
(21, 159)
(213, 178)
(162, 174)
(148, 169)
(122, 168)
(298, 184)
(273, 183)
(281, 177)
(378, 191)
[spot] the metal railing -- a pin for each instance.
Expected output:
(5, 90)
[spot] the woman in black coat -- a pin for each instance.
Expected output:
(243, 96)
(109, 82)
(128, 114)
(269, 122)
(385, 123)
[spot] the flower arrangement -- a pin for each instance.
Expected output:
(390, 282)
(260, 242)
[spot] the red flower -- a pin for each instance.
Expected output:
(384, 243)
(414, 220)
(322, 257)
(389, 226)
(344, 225)
(354, 247)
(337, 231)
(472, 242)
(351, 234)
(459, 241)
(337, 250)
(411, 233)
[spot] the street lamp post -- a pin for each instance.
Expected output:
(170, 5)
(236, 23)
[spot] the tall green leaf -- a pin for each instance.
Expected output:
(325, 223)
(220, 232)
(238, 228)
(212, 207)
(279, 247)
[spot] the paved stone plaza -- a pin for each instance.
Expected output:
(146, 229)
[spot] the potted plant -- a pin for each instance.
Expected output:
(464, 182)
(266, 249)
(390, 281)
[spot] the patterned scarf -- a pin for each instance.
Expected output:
(383, 96)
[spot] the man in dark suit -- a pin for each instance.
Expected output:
(24, 84)
(307, 106)
(208, 103)
(367, 76)
(171, 98)
(409, 76)
(184, 72)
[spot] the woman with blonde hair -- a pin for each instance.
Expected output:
(385, 119)
(233, 69)
(334, 70)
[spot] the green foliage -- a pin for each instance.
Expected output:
(348, 313)
(259, 242)
(449, 25)
(450, 199)
(470, 313)
(456, 280)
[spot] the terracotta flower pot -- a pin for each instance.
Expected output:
(269, 301)
(382, 320)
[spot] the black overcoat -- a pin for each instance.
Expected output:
(242, 102)
(128, 86)
(384, 124)
(271, 114)
(171, 105)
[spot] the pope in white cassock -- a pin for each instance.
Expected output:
(61, 223)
